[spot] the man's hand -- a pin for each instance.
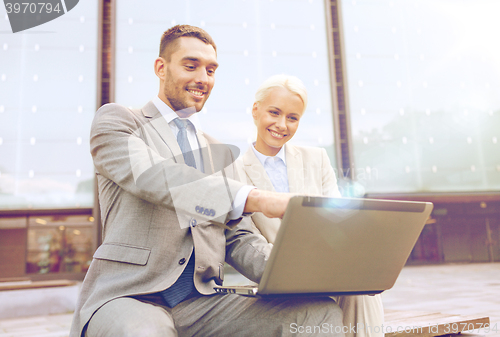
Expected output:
(271, 204)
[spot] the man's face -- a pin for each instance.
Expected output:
(190, 75)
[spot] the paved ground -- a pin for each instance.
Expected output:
(465, 289)
(454, 288)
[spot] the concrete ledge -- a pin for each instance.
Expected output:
(429, 324)
(26, 298)
(27, 284)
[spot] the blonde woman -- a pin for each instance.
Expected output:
(272, 164)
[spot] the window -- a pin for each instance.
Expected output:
(47, 102)
(423, 79)
(60, 243)
(255, 40)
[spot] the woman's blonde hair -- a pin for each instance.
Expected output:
(292, 83)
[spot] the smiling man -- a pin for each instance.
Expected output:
(173, 213)
(186, 68)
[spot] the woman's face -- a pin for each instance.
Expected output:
(277, 118)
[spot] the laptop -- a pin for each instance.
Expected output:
(339, 246)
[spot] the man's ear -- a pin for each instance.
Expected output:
(160, 67)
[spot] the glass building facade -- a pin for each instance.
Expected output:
(422, 81)
(255, 40)
(48, 87)
(424, 78)
(48, 91)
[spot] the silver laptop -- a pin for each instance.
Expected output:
(339, 246)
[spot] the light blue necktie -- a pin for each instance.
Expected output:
(184, 284)
(183, 141)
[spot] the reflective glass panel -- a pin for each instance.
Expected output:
(255, 39)
(60, 244)
(424, 78)
(48, 80)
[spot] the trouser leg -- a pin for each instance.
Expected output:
(129, 317)
(363, 315)
(236, 315)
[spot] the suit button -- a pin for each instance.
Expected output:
(182, 261)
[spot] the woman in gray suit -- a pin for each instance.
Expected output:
(272, 164)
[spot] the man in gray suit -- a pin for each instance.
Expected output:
(172, 214)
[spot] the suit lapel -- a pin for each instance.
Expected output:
(294, 169)
(256, 172)
(161, 126)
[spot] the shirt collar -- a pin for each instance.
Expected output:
(262, 157)
(170, 114)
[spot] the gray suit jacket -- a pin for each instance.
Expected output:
(309, 172)
(155, 210)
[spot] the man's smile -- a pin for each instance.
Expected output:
(196, 93)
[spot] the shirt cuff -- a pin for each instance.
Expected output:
(239, 203)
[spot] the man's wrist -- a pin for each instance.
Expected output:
(239, 203)
(253, 201)
(271, 204)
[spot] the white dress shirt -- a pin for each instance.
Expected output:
(275, 167)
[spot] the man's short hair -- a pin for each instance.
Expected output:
(291, 83)
(169, 37)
